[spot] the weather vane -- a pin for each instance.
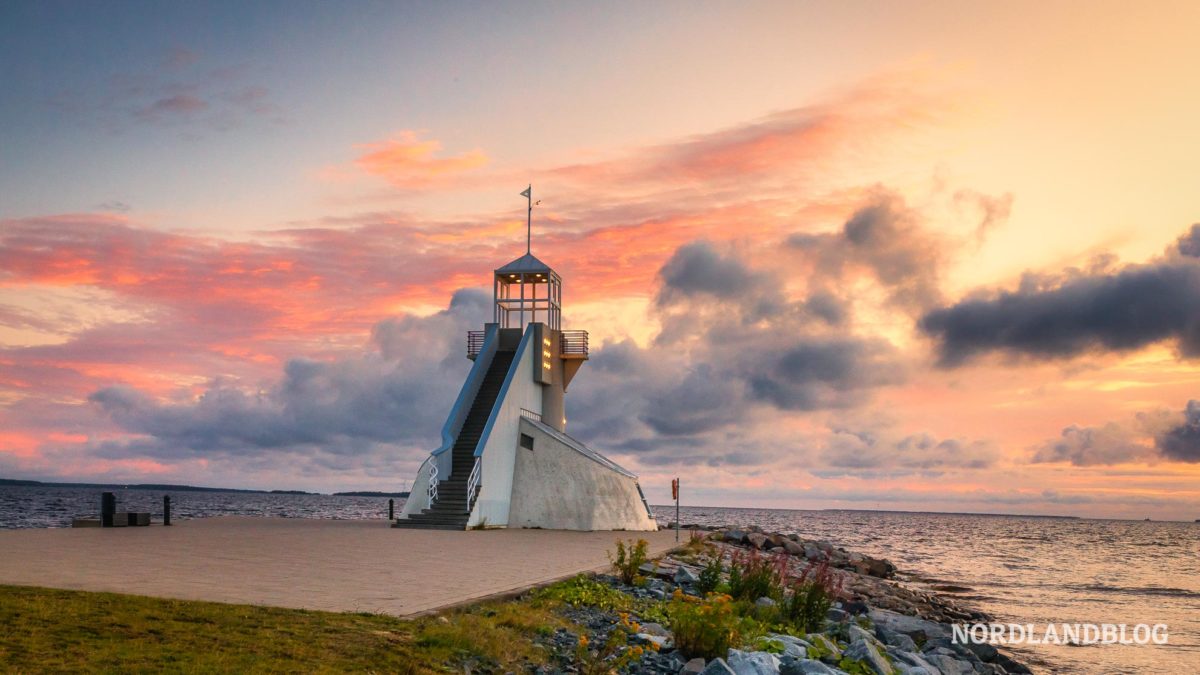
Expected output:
(528, 195)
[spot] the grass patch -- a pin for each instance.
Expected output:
(585, 591)
(73, 631)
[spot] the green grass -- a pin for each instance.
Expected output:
(47, 630)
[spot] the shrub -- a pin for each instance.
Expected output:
(812, 594)
(629, 559)
(710, 576)
(753, 576)
(703, 628)
(615, 655)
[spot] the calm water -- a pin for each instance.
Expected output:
(1019, 570)
(22, 507)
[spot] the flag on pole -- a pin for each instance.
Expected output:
(526, 193)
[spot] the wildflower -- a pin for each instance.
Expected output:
(583, 641)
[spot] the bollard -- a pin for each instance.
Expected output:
(391, 509)
(167, 510)
(108, 507)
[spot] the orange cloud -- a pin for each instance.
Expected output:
(407, 162)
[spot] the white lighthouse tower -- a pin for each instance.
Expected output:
(505, 458)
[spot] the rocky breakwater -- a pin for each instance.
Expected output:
(871, 584)
(871, 623)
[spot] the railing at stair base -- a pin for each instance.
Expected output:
(432, 492)
(473, 484)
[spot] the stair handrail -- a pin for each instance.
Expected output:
(470, 388)
(432, 491)
(473, 483)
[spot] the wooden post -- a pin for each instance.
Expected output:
(675, 494)
(391, 509)
(167, 510)
(108, 508)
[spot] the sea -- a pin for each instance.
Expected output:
(1018, 569)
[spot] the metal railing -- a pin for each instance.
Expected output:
(475, 340)
(574, 343)
(432, 490)
(531, 415)
(473, 483)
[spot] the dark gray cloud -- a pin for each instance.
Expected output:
(1149, 437)
(1189, 244)
(823, 372)
(698, 269)
(1112, 443)
(1121, 311)
(885, 239)
(1182, 443)
(733, 353)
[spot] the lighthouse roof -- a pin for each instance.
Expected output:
(526, 264)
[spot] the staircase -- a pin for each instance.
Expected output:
(450, 511)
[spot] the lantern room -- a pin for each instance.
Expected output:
(527, 291)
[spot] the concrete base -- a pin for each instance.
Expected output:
(137, 519)
(560, 484)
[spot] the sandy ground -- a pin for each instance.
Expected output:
(362, 566)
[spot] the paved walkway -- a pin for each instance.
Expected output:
(307, 564)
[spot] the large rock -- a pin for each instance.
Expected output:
(858, 633)
(904, 659)
(734, 536)
(883, 569)
(758, 541)
(792, 646)
(983, 650)
(789, 665)
(660, 642)
(899, 640)
(753, 663)
(905, 669)
(865, 651)
(765, 602)
(908, 625)
(949, 665)
(792, 547)
(717, 667)
(826, 646)
(693, 667)
(654, 629)
(684, 575)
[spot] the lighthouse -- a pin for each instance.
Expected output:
(506, 459)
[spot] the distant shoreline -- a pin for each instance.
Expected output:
(404, 495)
(11, 482)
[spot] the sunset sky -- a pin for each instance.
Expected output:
(933, 255)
